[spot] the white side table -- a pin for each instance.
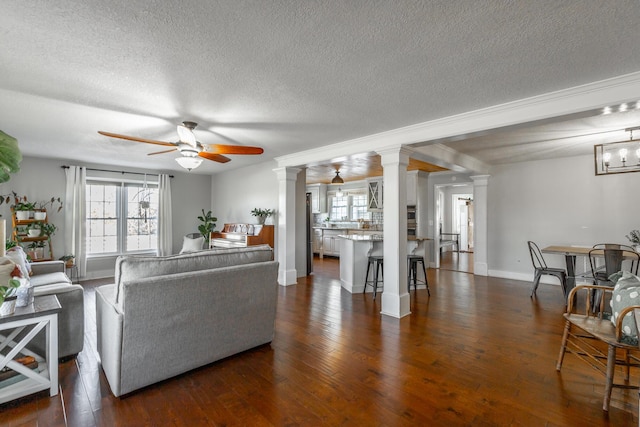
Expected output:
(42, 314)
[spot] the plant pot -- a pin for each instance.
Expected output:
(261, 219)
(39, 215)
(69, 263)
(33, 233)
(39, 253)
(22, 215)
(8, 307)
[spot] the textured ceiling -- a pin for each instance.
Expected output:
(285, 75)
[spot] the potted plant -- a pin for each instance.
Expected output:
(40, 207)
(23, 209)
(208, 225)
(48, 229)
(8, 292)
(69, 260)
(34, 229)
(261, 214)
(36, 250)
(634, 238)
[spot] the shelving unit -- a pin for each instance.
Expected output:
(24, 240)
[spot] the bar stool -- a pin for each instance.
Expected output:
(413, 261)
(377, 262)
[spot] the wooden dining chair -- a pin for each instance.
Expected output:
(593, 327)
(542, 269)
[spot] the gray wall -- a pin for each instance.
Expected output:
(555, 202)
(41, 179)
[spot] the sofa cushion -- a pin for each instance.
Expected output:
(192, 244)
(131, 267)
(49, 279)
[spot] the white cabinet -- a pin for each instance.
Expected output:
(317, 241)
(412, 188)
(331, 242)
(374, 195)
(318, 197)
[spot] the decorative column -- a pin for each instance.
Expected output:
(286, 246)
(395, 299)
(480, 243)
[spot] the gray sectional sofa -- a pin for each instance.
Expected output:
(164, 316)
(49, 278)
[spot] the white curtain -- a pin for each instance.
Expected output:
(165, 231)
(75, 217)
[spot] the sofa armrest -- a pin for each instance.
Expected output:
(109, 324)
(47, 267)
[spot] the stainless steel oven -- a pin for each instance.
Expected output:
(412, 224)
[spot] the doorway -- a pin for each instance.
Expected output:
(454, 213)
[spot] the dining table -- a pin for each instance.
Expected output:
(570, 254)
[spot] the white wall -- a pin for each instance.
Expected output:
(41, 179)
(555, 202)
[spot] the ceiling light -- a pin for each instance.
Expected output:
(622, 108)
(606, 110)
(189, 162)
(607, 162)
(337, 179)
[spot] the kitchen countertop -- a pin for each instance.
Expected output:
(344, 228)
(362, 237)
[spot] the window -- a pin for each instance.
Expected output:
(359, 207)
(349, 207)
(339, 208)
(121, 217)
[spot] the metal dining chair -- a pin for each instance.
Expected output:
(542, 269)
(606, 259)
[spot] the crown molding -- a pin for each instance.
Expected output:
(591, 96)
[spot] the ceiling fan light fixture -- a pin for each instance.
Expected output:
(185, 133)
(189, 163)
(337, 179)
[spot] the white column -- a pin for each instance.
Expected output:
(395, 299)
(480, 243)
(286, 246)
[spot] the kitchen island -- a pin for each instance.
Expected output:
(355, 250)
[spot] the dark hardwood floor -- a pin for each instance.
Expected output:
(478, 352)
(457, 261)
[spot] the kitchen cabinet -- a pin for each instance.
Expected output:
(374, 195)
(412, 188)
(331, 242)
(318, 197)
(317, 241)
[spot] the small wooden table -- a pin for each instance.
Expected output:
(570, 253)
(42, 314)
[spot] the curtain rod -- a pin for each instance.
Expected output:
(122, 172)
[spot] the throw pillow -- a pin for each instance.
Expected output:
(17, 255)
(626, 293)
(192, 245)
(6, 270)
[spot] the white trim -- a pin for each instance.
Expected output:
(573, 100)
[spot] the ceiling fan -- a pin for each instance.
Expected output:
(192, 151)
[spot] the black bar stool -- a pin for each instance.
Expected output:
(377, 262)
(413, 261)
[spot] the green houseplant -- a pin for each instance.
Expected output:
(208, 225)
(8, 290)
(10, 156)
(69, 260)
(261, 214)
(634, 238)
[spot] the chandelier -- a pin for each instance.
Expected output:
(618, 157)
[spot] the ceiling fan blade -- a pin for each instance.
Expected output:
(186, 135)
(234, 149)
(215, 157)
(162, 152)
(136, 139)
